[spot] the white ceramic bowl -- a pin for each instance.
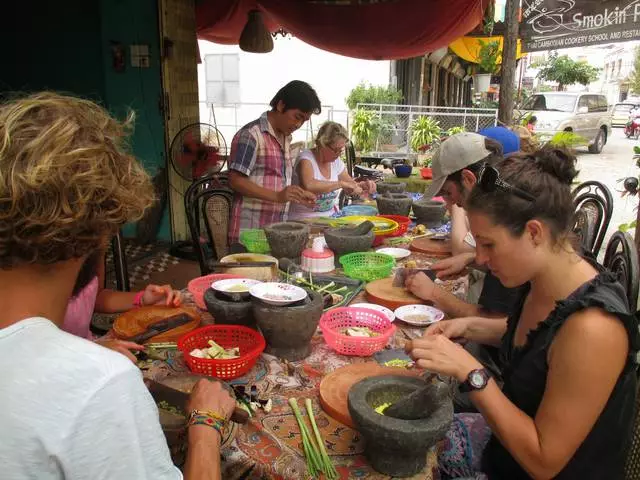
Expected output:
(397, 253)
(278, 293)
(378, 308)
(227, 287)
(419, 315)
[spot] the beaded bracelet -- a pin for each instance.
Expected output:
(198, 417)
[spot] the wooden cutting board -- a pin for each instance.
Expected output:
(334, 388)
(435, 248)
(384, 293)
(138, 320)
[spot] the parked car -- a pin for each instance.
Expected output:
(620, 114)
(586, 114)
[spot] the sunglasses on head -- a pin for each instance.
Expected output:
(490, 181)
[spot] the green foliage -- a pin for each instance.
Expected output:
(454, 130)
(566, 71)
(568, 140)
(424, 131)
(488, 56)
(634, 76)
(363, 130)
(627, 226)
(367, 93)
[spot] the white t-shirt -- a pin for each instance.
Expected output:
(325, 202)
(71, 409)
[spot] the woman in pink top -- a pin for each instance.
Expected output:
(89, 296)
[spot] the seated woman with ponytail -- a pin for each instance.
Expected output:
(566, 410)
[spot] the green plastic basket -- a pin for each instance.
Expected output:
(367, 266)
(255, 241)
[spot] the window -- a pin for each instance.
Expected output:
(603, 104)
(222, 74)
(584, 101)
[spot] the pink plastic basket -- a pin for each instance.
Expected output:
(199, 285)
(334, 321)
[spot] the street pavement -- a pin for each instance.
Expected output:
(613, 164)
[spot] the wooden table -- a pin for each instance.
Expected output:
(269, 445)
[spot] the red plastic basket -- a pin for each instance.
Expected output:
(403, 224)
(333, 321)
(251, 345)
(199, 285)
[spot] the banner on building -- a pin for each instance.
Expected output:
(555, 24)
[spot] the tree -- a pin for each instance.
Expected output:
(634, 76)
(566, 71)
(367, 93)
(508, 80)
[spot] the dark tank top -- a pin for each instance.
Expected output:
(602, 454)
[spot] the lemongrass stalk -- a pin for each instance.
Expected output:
(329, 469)
(312, 455)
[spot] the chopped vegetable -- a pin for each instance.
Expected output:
(381, 408)
(164, 405)
(420, 230)
(359, 332)
(268, 406)
(215, 352)
(396, 362)
(411, 264)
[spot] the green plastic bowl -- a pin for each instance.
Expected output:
(255, 241)
(367, 266)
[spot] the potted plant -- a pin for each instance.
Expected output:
(488, 55)
(363, 130)
(425, 132)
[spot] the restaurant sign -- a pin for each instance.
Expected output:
(554, 24)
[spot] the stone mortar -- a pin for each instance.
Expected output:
(397, 447)
(388, 187)
(342, 241)
(287, 239)
(429, 212)
(227, 312)
(394, 204)
(288, 329)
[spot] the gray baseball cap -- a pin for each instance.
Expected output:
(455, 153)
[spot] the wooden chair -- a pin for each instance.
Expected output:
(597, 201)
(196, 200)
(621, 257)
(120, 263)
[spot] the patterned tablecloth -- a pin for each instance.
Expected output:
(269, 446)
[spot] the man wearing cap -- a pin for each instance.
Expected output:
(456, 167)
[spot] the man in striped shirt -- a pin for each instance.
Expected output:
(260, 164)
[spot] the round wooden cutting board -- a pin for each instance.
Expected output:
(334, 388)
(138, 320)
(384, 293)
(435, 248)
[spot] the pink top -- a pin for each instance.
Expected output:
(80, 309)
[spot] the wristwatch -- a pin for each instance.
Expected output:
(476, 380)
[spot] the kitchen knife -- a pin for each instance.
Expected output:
(162, 326)
(403, 273)
(178, 399)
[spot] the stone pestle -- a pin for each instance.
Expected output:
(418, 403)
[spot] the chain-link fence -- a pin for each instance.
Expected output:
(392, 123)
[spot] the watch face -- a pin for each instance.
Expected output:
(476, 379)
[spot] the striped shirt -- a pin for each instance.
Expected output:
(257, 153)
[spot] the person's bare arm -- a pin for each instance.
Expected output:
(293, 193)
(459, 231)
(203, 454)
(308, 182)
(585, 361)
(486, 331)
(111, 301)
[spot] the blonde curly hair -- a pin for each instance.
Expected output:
(67, 182)
(330, 132)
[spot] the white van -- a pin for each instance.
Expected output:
(586, 114)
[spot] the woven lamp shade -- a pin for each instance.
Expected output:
(255, 37)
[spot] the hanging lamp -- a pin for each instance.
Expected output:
(255, 38)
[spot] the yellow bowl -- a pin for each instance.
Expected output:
(382, 226)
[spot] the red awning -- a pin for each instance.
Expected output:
(376, 31)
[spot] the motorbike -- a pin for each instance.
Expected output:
(632, 128)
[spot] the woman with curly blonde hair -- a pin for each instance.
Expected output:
(67, 184)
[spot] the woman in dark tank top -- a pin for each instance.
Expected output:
(567, 406)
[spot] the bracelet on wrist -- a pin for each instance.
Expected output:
(137, 300)
(208, 418)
